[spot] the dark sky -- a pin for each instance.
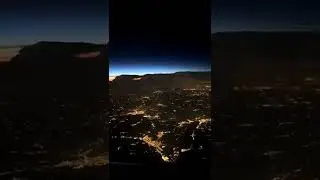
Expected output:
(264, 15)
(25, 22)
(159, 36)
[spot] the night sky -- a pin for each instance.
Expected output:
(25, 22)
(132, 52)
(156, 36)
(166, 36)
(265, 15)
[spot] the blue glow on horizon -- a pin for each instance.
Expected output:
(141, 70)
(156, 65)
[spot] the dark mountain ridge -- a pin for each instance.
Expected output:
(266, 47)
(56, 68)
(239, 57)
(56, 49)
(132, 84)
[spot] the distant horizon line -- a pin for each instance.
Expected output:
(23, 45)
(212, 32)
(159, 73)
(266, 31)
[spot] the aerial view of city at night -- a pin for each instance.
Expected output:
(266, 98)
(160, 90)
(159, 118)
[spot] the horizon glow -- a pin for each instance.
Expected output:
(142, 70)
(157, 65)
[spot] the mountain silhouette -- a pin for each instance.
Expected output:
(259, 56)
(56, 68)
(127, 84)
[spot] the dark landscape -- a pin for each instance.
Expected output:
(265, 104)
(53, 100)
(160, 126)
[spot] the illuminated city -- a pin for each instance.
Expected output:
(163, 123)
(266, 106)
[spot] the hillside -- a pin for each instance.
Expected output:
(52, 100)
(127, 84)
(52, 68)
(260, 56)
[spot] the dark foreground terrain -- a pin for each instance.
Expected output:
(98, 173)
(266, 106)
(53, 100)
